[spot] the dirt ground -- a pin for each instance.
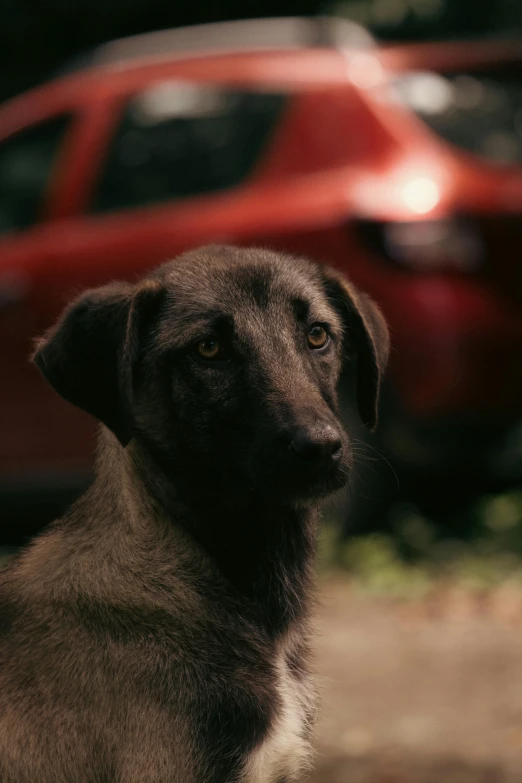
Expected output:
(428, 691)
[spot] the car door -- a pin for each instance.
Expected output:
(176, 170)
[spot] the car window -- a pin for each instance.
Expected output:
(480, 112)
(26, 164)
(179, 140)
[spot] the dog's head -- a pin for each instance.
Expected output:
(224, 364)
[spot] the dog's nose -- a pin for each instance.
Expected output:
(316, 444)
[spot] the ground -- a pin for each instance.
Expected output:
(426, 691)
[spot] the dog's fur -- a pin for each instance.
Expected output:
(159, 631)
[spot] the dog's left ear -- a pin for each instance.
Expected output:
(89, 354)
(366, 334)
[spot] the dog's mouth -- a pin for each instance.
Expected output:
(320, 486)
(305, 483)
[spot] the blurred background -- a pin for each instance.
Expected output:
(383, 137)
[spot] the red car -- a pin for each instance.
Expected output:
(398, 165)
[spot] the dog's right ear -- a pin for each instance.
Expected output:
(87, 356)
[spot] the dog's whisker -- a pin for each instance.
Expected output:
(382, 458)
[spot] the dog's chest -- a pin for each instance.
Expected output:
(285, 750)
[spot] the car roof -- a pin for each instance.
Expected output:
(285, 53)
(282, 33)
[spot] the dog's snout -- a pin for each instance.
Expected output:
(316, 444)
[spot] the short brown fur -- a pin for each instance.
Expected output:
(139, 634)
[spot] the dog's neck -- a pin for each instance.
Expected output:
(263, 550)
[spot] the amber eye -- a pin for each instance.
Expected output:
(208, 349)
(317, 336)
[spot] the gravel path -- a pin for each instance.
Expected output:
(419, 692)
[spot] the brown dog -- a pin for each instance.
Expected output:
(158, 633)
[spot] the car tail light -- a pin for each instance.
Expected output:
(427, 245)
(420, 194)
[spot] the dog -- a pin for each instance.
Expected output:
(160, 631)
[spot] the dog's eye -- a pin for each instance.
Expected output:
(317, 336)
(209, 348)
